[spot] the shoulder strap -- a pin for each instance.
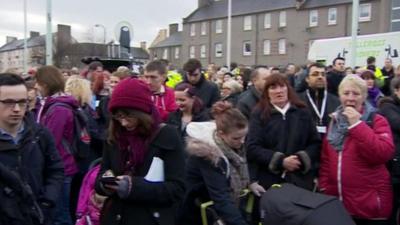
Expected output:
(370, 119)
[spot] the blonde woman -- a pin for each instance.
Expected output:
(231, 90)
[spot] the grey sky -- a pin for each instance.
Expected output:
(146, 17)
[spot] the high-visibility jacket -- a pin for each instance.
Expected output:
(174, 78)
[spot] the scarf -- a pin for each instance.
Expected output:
(239, 174)
(339, 126)
(134, 145)
(373, 95)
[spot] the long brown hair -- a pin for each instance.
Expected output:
(265, 105)
(51, 78)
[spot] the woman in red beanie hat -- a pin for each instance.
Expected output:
(143, 163)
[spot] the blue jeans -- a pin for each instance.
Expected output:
(62, 215)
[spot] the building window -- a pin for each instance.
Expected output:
(192, 30)
(177, 52)
(365, 12)
(313, 18)
(203, 51)
(192, 52)
(332, 16)
(218, 26)
(203, 28)
(247, 48)
(218, 50)
(247, 23)
(267, 20)
(282, 46)
(267, 47)
(282, 19)
(165, 53)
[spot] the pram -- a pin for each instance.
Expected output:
(287, 204)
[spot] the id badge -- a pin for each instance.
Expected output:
(321, 129)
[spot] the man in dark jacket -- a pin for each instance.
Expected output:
(388, 74)
(336, 75)
(249, 99)
(31, 171)
(319, 101)
(207, 91)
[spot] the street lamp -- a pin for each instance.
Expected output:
(104, 31)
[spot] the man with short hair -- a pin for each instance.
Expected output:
(155, 75)
(31, 170)
(371, 65)
(319, 101)
(249, 99)
(206, 90)
(336, 75)
(388, 74)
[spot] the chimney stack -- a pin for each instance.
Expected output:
(173, 28)
(143, 45)
(10, 39)
(33, 34)
(202, 3)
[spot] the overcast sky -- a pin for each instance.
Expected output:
(146, 16)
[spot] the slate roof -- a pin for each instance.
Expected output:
(218, 9)
(19, 44)
(173, 40)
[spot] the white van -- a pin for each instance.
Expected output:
(381, 46)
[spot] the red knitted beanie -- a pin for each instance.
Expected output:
(131, 93)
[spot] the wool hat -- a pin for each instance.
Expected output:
(131, 93)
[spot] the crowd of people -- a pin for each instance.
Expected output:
(93, 147)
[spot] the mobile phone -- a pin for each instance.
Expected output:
(109, 180)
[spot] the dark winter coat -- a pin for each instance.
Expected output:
(388, 77)
(390, 109)
(148, 203)
(332, 102)
(232, 98)
(334, 78)
(207, 91)
(103, 114)
(38, 163)
(207, 181)
(175, 119)
(247, 101)
(268, 142)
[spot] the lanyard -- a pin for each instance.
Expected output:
(319, 114)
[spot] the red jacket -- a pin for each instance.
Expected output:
(165, 102)
(358, 175)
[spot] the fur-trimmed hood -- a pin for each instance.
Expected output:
(200, 141)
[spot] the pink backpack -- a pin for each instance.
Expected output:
(88, 210)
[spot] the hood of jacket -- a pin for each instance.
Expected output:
(200, 141)
(65, 99)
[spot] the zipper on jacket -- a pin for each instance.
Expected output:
(339, 175)
(378, 199)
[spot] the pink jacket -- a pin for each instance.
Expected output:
(358, 175)
(87, 208)
(165, 102)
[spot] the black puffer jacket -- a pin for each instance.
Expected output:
(37, 163)
(268, 142)
(247, 101)
(207, 91)
(390, 108)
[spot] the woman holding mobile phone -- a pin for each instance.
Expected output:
(143, 165)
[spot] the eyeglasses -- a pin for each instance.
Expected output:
(10, 103)
(121, 116)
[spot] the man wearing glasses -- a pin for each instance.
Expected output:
(319, 101)
(31, 171)
(207, 91)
